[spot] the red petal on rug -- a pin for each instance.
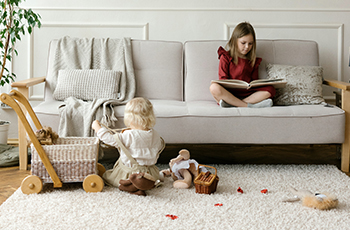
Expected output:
(264, 191)
(218, 204)
(173, 217)
(239, 190)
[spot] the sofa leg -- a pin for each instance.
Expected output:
(345, 155)
(345, 158)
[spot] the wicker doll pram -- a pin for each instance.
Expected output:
(206, 182)
(71, 159)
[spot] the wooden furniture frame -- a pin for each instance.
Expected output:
(10, 99)
(33, 183)
(23, 87)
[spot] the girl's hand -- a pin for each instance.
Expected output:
(96, 125)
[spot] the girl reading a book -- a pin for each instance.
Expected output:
(240, 62)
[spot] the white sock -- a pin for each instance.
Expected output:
(262, 104)
(224, 104)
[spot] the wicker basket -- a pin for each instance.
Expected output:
(206, 182)
(73, 158)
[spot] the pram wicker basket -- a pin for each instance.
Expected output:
(73, 158)
(205, 182)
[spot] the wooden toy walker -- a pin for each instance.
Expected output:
(71, 159)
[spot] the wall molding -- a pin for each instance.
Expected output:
(191, 9)
(340, 34)
(143, 26)
(30, 45)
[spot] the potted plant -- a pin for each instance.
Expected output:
(4, 127)
(15, 22)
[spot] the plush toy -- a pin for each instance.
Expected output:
(322, 201)
(46, 136)
(183, 170)
(138, 183)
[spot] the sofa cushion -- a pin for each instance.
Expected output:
(202, 64)
(158, 67)
(207, 122)
(304, 84)
(87, 84)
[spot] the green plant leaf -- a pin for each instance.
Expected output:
(22, 20)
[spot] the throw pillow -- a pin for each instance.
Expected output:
(87, 84)
(304, 84)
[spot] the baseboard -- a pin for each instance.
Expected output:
(12, 141)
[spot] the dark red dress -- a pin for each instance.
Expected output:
(242, 71)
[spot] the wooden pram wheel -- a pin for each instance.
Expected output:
(93, 183)
(31, 184)
(101, 169)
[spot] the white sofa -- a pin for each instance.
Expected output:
(176, 78)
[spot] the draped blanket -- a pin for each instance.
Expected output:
(77, 115)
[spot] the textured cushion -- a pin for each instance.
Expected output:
(304, 84)
(87, 84)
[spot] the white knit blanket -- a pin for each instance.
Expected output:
(76, 115)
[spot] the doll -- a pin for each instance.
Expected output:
(322, 201)
(183, 170)
(46, 136)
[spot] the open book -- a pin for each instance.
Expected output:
(234, 83)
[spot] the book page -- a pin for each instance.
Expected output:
(265, 80)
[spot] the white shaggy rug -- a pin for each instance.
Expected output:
(72, 208)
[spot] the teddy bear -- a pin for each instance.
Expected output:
(46, 136)
(322, 201)
(183, 170)
(138, 183)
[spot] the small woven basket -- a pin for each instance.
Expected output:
(73, 158)
(205, 182)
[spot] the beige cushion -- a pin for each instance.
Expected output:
(87, 84)
(304, 84)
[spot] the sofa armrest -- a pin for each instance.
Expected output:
(23, 88)
(337, 84)
(28, 82)
(345, 105)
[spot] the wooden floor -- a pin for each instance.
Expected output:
(11, 177)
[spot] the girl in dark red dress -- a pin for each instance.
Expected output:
(240, 62)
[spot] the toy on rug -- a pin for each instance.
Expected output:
(322, 201)
(206, 182)
(46, 136)
(183, 170)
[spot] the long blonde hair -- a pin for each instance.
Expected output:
(139, 111)
(241, 30)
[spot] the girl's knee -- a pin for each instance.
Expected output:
(215, 89)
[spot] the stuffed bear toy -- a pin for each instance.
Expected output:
(46, 136)
(322, 201)
(183, 170)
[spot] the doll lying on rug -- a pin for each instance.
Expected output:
(322, 201)
(183, 170)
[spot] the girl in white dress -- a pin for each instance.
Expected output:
(139, 144)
